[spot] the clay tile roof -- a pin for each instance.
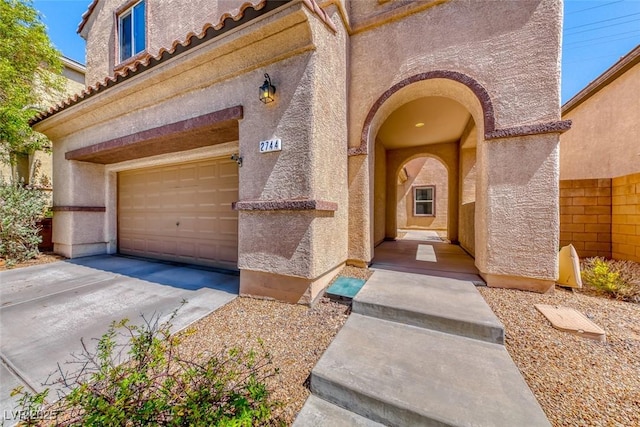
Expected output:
(86, 15)
(229, 20)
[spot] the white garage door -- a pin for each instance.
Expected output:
(180, 213)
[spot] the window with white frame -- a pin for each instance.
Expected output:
(424, 200)
(132, 31)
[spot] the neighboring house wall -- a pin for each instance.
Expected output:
(600, 164)
(39, 165)
(603, 141)
(423, 172)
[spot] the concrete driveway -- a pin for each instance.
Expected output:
(46, 309)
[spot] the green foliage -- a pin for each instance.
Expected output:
(617, 279)
(154, 385)
(21, 207)
(30, 70)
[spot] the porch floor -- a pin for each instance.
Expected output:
(423, 252)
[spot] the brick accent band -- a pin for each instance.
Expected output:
(285, 205)
(79, 209)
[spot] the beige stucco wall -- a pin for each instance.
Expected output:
(380, 192)
(515, 59)
(306, 62)
(445, 154)
(421, 172)
(466, 230)
(167, 21)
(603, 140)
(510, 48)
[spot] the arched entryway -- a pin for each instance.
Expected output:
(422, 197)
(500, 173)
(424, 141)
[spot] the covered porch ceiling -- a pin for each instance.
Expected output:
(424, 121)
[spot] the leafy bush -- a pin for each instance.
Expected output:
(154, 385)
(618, 279)
(20, 209)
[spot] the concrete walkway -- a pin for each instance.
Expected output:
(419, 349)
(45, 310)
(428, 256)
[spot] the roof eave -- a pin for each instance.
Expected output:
(616, 70)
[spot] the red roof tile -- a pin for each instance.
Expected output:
(86, 15)
(229, 20)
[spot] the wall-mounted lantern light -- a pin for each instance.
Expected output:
(267, 90)
(236, 158)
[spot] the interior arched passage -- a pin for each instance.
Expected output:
(422, 196)
(437, 127)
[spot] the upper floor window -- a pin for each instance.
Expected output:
(132, 31)
(424, 201)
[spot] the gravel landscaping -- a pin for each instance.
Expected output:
(296, 337)
(42, 258)
(578, 381)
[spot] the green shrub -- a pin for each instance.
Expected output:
(618, 279)
(155, 385)
(20, 209)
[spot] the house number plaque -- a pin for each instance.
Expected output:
(270, 145)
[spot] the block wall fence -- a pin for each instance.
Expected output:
(625, 223)
(601, 217)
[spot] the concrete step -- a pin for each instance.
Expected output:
(317, 412)
(438, 303)
(403, 375)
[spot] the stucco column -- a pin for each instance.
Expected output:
(79, 206)
(517, 204)
(360, 224)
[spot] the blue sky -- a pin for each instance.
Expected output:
(596, 34)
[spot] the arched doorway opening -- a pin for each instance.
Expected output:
(425, 149)
(422, 198)
(424, 176)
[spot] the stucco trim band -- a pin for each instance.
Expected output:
(490, 131)
(285, 205)
(208, 129)
(537, 129)
(79, 209)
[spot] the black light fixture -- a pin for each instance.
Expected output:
(267, 90)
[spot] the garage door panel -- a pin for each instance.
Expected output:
(197, 196)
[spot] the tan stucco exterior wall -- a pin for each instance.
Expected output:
(422, 172)
(380, 192)
(466, 231)
(603, 140)
(443, 154)
(327, 83)
(585, 216)
(306, 62)
(625, 222)
(167, 21)
(516, 60)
